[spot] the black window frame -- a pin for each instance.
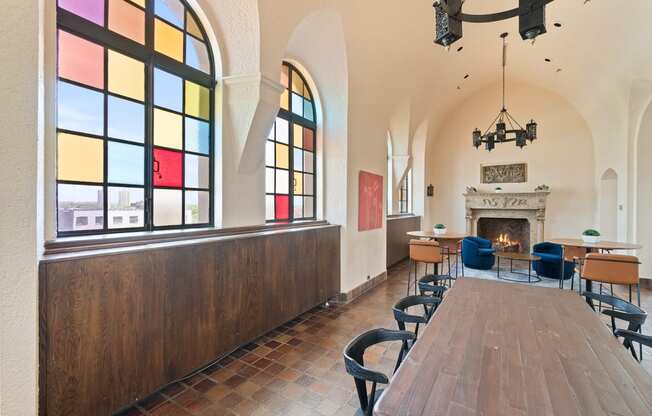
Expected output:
(145, 53)
(404, 194)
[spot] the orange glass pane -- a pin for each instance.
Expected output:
(309, 140)
(298, 136)
(127, 20)
(282, 156)
(168, 40)
(285, 76)
(285, 100)
(297, 83)
(192, 27)
(81, 60)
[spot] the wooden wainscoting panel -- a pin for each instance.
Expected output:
(116, 326)
(398, 241)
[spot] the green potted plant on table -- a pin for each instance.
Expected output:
(440, 229)
(591, 236)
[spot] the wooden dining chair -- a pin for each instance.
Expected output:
(613, 269)
(427, 252)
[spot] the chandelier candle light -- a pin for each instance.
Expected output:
(503, 134)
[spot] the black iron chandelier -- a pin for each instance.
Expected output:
(449, 18)
(507, 128)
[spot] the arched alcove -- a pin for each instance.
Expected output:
(644, 192)
(609, 205)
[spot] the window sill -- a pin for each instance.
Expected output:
(71, 245)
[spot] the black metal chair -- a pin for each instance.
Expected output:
(428, 285)
(354, 363)
(622, 310)
(629, 337)
(402, 317)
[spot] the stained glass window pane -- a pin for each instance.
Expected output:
(308, 111)
(285, 76)
(126, 120)
(126, 164)
(297, 83)
(80, 158)
(197, 136)
(197, 54)
(309, 207)
(168, 90)
(170, 10)
(92, 10)
(168, 128)
(269, 153)
(285, 100)
(298, 183)
(197, 172)
(298, 136)
(269, 207)
(198, 205)
(282, 209)
(167, 168)
(298, 207)
(80, 60)
(127, 20)
(269, 180)
(126, 207)
(282, 182)
(167, 207)
(141, 3)
(197, 100)
(297, 104)
(192, 27)
(282, 130)
(308, 161)
(80, 109)
(78, 206)
(309, 139)
(126, 76)
(282, 156)
(298, 159)
(168, 40)
(308, 184)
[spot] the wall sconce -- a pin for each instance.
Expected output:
(430, 191)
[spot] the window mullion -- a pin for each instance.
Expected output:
(149, 120)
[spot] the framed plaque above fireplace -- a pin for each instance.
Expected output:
(510, 173)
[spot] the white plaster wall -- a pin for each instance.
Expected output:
(20, 217)
(644, 194)
(562, 158)
(608, 207)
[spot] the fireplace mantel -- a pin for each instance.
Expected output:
(527, 205)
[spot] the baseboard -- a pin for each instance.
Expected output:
(646, 283)
(362, 289)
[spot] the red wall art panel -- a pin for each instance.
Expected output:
(370, 203)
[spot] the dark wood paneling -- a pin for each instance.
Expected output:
(397, 239)
(115, 326)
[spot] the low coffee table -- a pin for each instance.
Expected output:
(518, 257)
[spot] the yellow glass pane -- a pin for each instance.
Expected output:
(79, 158)
(285, 76)
(298, 136)
(192, 27)
(168, 40)
(141, 3)
(297, 83)
(197, 100)
(298, 183)
(167, 129)
(285, 100)
(282, 156)
(126, 76)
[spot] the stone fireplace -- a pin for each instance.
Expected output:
(513, 221)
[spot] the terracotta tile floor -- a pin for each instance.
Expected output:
(297, 369)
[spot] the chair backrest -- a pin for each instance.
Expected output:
(426, 286)
(611, 268)
(425, 251)
(547, 247)
(571, 253)
(620, 309)
(402, 317)
(480, 242)
(354, 362)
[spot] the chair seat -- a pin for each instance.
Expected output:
(486, 251)
(379, 393)
(548, 258)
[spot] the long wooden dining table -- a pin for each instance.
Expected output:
(496, 348)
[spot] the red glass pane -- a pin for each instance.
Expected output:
(309, 140)
(167, 168)
(282, 207)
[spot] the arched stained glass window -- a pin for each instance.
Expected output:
(291, 148)
(134, 117)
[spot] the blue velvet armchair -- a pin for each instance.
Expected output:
(477, 253)
(550, 263)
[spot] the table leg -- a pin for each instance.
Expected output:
(498, 267)
(529, 272)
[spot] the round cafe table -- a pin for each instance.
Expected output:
(591, 248)
(448, 241)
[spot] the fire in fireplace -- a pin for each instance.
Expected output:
(507, 234)
(505, 243)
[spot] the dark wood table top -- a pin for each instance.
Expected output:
(517, 256)
(504, 349)
(433, 236)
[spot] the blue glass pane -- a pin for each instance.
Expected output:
(80, 109)
(297, 104)
(307, 110)
(126, 120)
(170, 10)
(168, 90)
(197, 136)
(197, 54)
(126, 164)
